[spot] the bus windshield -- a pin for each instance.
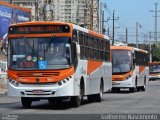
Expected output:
(121, 61)
(154, 68)
(39, 53)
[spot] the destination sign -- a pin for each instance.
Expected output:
(43, 29)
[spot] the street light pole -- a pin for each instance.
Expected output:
(150, 47)
(137, 34)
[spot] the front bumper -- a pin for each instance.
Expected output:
(42, 90)
(123, 84)
(154, 77)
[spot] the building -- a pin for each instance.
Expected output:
(69, 11)
(86, 13)
(24, 3)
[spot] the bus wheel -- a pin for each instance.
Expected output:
(144, 87)
(134, 89)
(76, 101)
(91, 98)
(26, 102)
(99, 96)
(51, 100)
(113, 90)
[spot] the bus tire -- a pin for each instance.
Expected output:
(90, 98)
(52, 100)
(99, 96)
(144, 87)
(138, 89)
(26, 102)
(134, 89)
(115, 90)
(76, 100)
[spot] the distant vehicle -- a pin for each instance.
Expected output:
(56, 60)
(154, 70)
(10, 14)
(129, 68)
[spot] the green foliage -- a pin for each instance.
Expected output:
(156, 52)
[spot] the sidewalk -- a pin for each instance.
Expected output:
(3, 85)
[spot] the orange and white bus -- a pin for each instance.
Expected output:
(154, 70)
(129, 68)
(56, 60)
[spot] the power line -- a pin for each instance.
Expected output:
(113, 25)
(156, 16)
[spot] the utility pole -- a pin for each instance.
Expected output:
(156, 16)
(126, 35)
(137, 34)
(150, 47)
(113, 25)
(108, 32)
(137, 40)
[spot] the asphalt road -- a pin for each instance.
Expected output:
(124, 102)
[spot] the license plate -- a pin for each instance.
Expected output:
(38, 91)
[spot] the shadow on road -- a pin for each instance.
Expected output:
(63, 105)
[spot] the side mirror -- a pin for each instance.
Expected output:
(4, 51)
(78, 49)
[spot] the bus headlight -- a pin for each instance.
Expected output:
(64, 81)
(129, 76)
(13, 82)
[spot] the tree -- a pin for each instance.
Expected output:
(156, 52)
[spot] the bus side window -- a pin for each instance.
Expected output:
(74, 49)
(81, 38)
(74, 37)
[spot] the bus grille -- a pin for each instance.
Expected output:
(40, 93)
(38, 74)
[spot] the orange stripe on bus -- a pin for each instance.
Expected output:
(122, 48)
(49, 76)
(40, 35)
(141, 69)
(96, 34)
(92, 66)
(41, 23)
(121, 77)
(154, 63)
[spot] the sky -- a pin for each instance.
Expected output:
(130, 12)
